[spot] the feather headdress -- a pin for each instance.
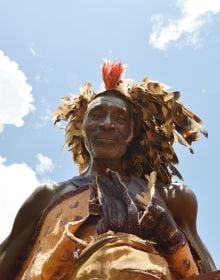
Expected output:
(164, 120)
(112, 74)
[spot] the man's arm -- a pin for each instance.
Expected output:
(182, 203)
(15, 246)
(17, 242)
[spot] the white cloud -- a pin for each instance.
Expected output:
(37, 78)
(205, 91)
(32, 51)
(17, 182)
(45, 164)
(15, 94)
(44, 116)
(194, 15)
(2, 159)
(44, 120)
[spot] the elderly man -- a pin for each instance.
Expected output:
(124, 216)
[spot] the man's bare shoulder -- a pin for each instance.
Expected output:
(54, 187)
(181, 201)
(177, 191)
(50, 191)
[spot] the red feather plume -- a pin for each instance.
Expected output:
(112, 73)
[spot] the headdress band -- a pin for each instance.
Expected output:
(164, 120)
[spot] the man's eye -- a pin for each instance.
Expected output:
(121, 118)
(96, 115)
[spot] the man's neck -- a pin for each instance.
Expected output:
(101, 165)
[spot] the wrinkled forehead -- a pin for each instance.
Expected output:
(108, 101)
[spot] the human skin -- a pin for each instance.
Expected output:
(114, 131)
(108, 129)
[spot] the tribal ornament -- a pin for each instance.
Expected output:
(164, 120)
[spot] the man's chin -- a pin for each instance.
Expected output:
(104, 154)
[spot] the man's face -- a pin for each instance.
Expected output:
(107, 127)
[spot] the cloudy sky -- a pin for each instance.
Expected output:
(49, 48)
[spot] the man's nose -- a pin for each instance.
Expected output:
(107, 122)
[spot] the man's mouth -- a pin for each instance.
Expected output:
(106, 140)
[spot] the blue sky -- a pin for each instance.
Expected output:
(48, 49)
